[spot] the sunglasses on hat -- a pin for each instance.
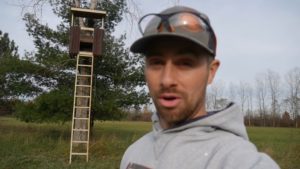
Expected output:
(176, 21)
(181, 22)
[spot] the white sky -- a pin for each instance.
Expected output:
(253, 36)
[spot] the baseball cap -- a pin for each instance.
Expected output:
(180, 22)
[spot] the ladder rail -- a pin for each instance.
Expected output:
(90, 108)
(74, 109)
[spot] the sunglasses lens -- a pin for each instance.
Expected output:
(183, 21)
(149, 22)
(187, 22)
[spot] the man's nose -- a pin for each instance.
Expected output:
(168, 77)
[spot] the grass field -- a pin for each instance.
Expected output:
(46, 146)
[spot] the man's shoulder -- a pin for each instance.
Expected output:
(143, 143)
(146, 139)
(237, 152)
(139, 151)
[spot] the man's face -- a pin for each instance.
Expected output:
(177, 74)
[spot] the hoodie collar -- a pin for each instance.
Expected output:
(229, 119)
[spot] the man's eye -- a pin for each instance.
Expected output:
(155, 62)
(186, 63)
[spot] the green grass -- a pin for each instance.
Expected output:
(282, 144)
(46, 146)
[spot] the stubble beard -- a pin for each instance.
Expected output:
(185, 111)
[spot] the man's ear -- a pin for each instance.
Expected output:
(213, 67)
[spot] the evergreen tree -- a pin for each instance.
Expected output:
(117, 75)
(8, 47)
(16, 75)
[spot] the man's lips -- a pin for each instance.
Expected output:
(169, 100)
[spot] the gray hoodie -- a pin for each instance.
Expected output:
(216, 141)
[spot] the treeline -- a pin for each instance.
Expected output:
(270, 100)
(281, 120)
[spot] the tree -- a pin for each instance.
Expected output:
(261, 93)
(249, 101)
(242, 94)
(286, 120)
(246, 98)
(8, 51)
(116, 75)
(293, 81)
(273, 82)
(17, 76)
(232, 92)
(41, 109)
(8, 47)
(19, 79)
(214, 96)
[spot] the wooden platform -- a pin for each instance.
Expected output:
(88, 13)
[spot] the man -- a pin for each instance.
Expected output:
(179, 45)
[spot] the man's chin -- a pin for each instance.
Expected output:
(172, 116)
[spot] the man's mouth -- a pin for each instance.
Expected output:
(169, 100)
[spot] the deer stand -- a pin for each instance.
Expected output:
(85, 44)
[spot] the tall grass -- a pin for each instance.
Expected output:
(46, 145)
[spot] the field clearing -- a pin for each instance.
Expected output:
(46, 145)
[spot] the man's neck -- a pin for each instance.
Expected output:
(164, 125)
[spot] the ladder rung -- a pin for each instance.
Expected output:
(83, 96)
(84, 142)
(86, 54)
(84, 75)
(81, 130)
(82, 107)
(83, 154)
(83, 85)
(81, 118)
(87, 29)
(82, 65)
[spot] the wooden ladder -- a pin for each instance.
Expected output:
(80, 133)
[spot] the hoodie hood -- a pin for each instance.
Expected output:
(229, 119)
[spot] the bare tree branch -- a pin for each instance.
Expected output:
(132, 14)
(32, 6)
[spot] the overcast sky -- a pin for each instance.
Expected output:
(253, 36)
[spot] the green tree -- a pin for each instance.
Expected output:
(8, 47)
(16, 75)
(41, 109)
(117, 75)
(18, 78)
